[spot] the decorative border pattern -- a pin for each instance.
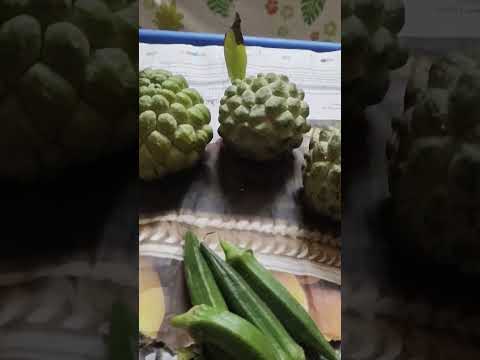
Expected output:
(228, 223)
(115, 272)
(61, 311)
(279, 245)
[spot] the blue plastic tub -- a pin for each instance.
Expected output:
(206, 39)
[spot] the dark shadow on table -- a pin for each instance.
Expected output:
(71, 212)
(171, 192)
(255, 188)
(223, 183)
(407, 267)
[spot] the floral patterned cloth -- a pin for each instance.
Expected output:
(317, 20)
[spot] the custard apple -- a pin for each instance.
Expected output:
(434, 161)
(174, 124)
(263, 117)
(323, 171)
(68, 81)
(370, 50)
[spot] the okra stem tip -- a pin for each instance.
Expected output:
(230, 250)
(181, 321)
(196, 313)
(185, 320)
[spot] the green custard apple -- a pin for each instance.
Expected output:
(370, 50)
(174, 124)
(263, 117)
(323, 171)
(68, 75)
(434, 161)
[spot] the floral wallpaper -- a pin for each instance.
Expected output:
(317, 20)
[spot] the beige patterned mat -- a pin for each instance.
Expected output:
(279, 246)
(57, 311)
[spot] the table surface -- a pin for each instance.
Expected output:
(226, 185)
(258, 205)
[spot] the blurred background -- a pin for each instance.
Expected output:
(407, 282)
(317, 20)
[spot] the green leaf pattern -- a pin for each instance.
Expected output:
(167, 17)
(220, 7)
(320, 23)
(311, 10)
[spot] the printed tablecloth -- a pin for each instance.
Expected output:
(294, 19)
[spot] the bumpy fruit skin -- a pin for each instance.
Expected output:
(434, 161)
(323, 171)
(370, 50)
(174, 124)
(263, 117)
(67, 79)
